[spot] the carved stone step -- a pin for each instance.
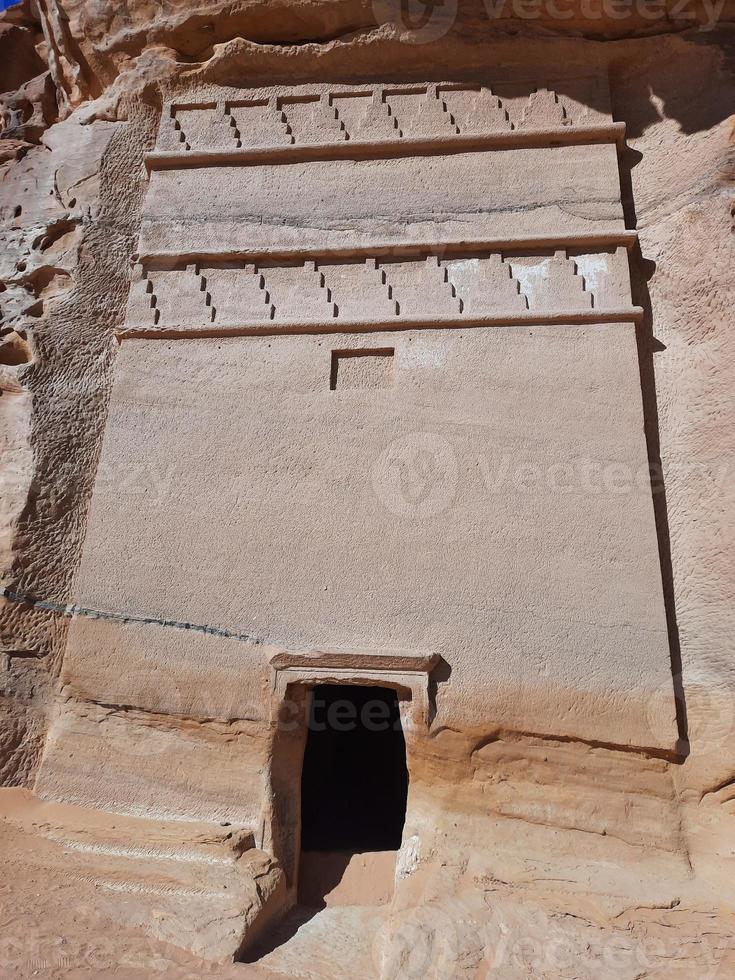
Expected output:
(200, 886)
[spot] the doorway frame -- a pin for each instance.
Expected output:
(293, 674)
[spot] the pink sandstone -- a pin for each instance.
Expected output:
(349, 355)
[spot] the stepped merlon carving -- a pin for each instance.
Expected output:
(366, 116)
(361, 286)
(239, 292)
(422, 289)
(426, 288)
(207, 125)
(606, 277)
(475, 111)
(544, 110)
(259, 123)
(550, 282)
(485, 283)
(380, 113)
(312, 120)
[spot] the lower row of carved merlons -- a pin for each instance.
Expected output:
(235, 293)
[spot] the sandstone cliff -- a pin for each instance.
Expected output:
(83, 85)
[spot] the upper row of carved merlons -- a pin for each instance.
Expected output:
(379, 114)
(231, 294)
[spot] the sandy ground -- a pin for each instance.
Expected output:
(51, 926)
(56, 922)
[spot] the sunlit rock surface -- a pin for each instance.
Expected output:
(343, 346)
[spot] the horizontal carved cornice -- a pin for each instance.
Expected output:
(580, 279)
(630, 314)
(381, 120)
(592, 240)
(613, 132)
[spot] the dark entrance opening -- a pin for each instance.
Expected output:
(354, 781)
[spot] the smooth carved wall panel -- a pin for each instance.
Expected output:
(290, 501)
(447, 197)
(368, 291)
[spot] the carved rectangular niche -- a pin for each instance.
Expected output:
(365, 367)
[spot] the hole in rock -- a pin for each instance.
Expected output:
(354, 786)
(14, 349)
(354, 780)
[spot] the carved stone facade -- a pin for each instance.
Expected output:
(365, 401)
(272, 513)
